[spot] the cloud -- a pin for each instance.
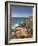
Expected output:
(20, 15)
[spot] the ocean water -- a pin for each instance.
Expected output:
(16, 20)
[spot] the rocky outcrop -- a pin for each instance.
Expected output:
(21, 33)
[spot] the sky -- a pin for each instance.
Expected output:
(18, 14)
(18, 11)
